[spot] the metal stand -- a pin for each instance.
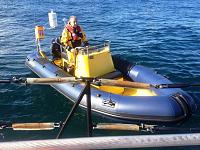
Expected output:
(89, 116)
(38, 47)
(86, 91)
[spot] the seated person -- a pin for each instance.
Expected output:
(73, 36)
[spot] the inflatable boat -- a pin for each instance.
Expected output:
(169, 105)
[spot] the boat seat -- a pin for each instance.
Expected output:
(112, 75)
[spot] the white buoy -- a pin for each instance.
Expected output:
(52, 19)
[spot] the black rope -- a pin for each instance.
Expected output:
(13, 80)
(5, 124)
(5, 81)
(162, 86)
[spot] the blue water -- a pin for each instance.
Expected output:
(163, 35)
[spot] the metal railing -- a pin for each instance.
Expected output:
(91, 49)
(139, 141)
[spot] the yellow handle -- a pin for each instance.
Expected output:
(33, 126)
(50, 80)
(111, 126)
(125, 83)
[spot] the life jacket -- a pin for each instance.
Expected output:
(76, 33)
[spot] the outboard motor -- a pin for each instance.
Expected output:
(56, 48)
(122, 65)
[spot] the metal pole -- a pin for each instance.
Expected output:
(38, 45)
(72, 111)
(112, 142)
(89, 116)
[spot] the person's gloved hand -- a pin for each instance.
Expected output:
(79, 34)
(68, 48)
(73, 50)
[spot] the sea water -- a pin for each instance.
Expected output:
(162, 35)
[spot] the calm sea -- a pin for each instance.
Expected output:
(161, 34)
